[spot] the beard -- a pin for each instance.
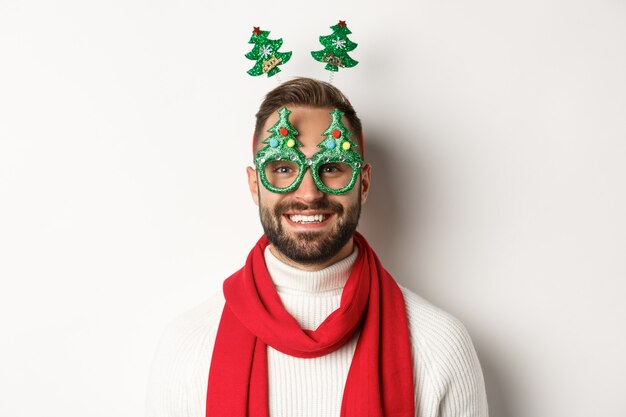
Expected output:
(310, 248)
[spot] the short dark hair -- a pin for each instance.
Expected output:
(307, 92)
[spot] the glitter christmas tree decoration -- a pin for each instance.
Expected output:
(283, 134)
(337, 147)
(336, 48)
(281, 145)
(265, 53)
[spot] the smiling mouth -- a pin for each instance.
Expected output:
(312, 219)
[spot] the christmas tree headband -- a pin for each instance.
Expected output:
(334, 54)
(281, 165)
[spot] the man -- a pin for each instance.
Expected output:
(313, 325)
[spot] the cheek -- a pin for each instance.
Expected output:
(267, 198)
(349, 201)
(351, 197)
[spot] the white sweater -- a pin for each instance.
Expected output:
(447, 375)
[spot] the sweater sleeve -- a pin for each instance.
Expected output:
(448, 377)
(180, 367)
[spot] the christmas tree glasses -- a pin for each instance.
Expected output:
(282, 166)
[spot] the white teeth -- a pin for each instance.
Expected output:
(316, 218)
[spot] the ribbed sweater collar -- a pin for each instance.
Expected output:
(286, 277)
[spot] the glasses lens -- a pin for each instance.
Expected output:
(335, 175)
(281, 174)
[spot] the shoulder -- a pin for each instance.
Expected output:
(196, 321)
(431, 326)
(180, 366)
(443, 351)
(191, 334)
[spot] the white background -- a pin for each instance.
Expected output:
(497, 134)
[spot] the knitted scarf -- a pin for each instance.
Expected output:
(380, 379)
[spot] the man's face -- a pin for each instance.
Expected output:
(308, 227)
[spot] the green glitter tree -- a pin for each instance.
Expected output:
(282, 140)
(281, 145)
(337, 145)
(265, 52)
(336, 48)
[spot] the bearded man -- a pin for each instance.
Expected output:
(313, 325)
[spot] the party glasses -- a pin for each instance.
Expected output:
(282, 166)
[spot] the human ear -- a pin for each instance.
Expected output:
(253, 184)
(366, 177)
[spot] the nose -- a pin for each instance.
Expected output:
(308, 191)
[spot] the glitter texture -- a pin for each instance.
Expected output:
(336, 48)
(265, 53)
(334, 148)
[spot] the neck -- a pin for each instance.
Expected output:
(343, 253)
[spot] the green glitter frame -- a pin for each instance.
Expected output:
(336, 147)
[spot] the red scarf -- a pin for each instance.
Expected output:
(380, 379)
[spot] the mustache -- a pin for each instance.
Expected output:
(317, 205)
